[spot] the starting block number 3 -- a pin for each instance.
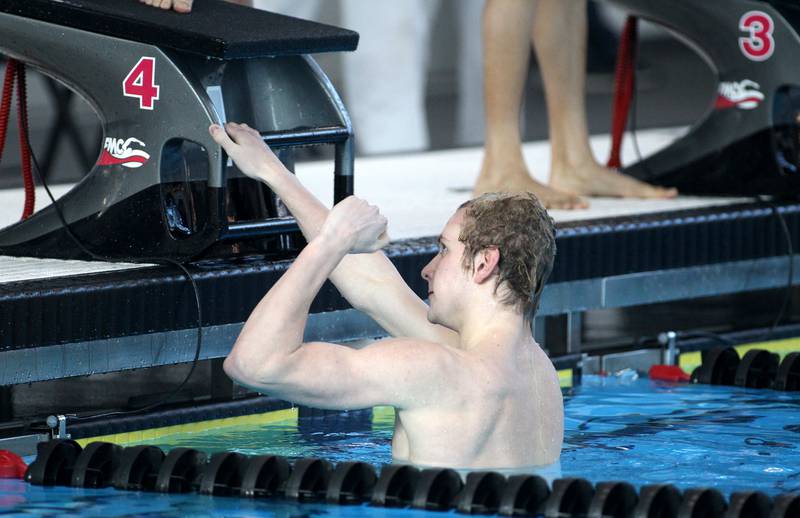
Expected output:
(140, 83)
(759, 44)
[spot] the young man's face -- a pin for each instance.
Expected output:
(445, 274)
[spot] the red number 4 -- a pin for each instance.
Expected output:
(140, 83)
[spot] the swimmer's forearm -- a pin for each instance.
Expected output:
(275, 328)
(370, 282)
(309, 212)
(361, 278)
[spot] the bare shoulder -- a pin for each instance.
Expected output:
(419, 371)
(549, 383)
(543, 362)
(405, 354)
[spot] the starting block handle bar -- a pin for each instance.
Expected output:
(247, 229)
(343, 177)
(341, 136)
(343, 171)
(330, 135)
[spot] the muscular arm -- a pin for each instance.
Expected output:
(399, 372)
(269, 354)
(370, 282)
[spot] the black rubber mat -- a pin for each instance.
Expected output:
(214, 28)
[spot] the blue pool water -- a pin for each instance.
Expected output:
(616, 429)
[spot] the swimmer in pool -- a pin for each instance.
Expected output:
(470, 386)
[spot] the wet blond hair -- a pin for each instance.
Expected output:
(524, 234)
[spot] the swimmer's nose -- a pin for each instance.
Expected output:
(427, 272)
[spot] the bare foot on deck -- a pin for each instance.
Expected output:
(180, 6)
(596, 180)
(513, 176)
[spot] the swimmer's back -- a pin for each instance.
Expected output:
(501, 413)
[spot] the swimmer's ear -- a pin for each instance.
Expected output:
(485, 264)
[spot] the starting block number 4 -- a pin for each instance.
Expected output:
(758, 45)
(140, 83)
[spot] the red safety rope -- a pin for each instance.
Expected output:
(24, 146)
(16, 69)
(5, 103)
(624, 76)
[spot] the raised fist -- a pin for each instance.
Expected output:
(356, 225)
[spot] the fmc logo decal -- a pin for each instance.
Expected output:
(124, 152)
(744, 94)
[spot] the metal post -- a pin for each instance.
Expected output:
(574, 328)
(58, 426)
(343, 185)
(670, 340)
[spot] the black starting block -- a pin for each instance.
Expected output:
(748, 142)
(162, 188)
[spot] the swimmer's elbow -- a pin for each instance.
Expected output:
(249, 371)
(240, 367)
(235, 368)
(243, 373)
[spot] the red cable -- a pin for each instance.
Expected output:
(623, 89)
(5, 103)
(24, 146)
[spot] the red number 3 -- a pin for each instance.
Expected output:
(758, 45)
(140, 83)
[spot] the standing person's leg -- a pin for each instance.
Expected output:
(559, 38)
(506, 55)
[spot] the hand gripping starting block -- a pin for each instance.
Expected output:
(748, 142)
(162, 188)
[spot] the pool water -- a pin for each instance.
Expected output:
(617, 428)
(21, 501)
(650, 432)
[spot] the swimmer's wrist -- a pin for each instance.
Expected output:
(331, 244)
(265, 172)
(269, 171)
